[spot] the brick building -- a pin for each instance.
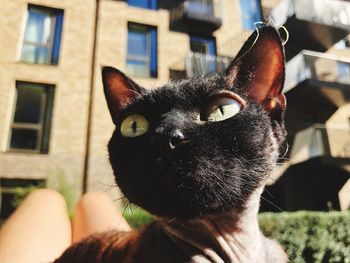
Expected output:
(54, 123)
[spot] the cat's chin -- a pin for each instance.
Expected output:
(176, 207)
(191, 213)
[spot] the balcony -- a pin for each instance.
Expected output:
(321, 141)
(197, 64)
(199, 16)
(327, 12)
(319, 69)
(317, 174)
(313, 24)
(316, 86)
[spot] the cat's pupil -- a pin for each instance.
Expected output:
(221, 108)
(134, 126)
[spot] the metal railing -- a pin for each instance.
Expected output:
(202, 10)
(335, 13)
(321, 140)
(316, 66)
(197, 64)
(307, 65)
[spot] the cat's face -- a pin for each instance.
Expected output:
(201, 145)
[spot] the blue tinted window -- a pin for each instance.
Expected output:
(138, 42)
(250, 13)
(205, 54)
(142, 51)
(148, 4)
(203, 45)
(42, 35)
(201, 7)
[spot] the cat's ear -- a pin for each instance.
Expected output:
(259, 68)
(118, 89)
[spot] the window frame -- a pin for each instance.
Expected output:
(43, 127)
(209, 41)
(55, 36)
(151, 4)
(151, 58)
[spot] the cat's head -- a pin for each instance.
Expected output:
(202, 145)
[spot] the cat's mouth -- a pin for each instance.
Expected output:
(169, 170)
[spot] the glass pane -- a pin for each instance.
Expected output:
(138, 43)
(203, 45)
(139, 3)
(24, 139)
(28, 53)
(35, 54)
(199, 47)
(138, 68)
(28, 105)
(200, 7)
(38, 27)
(42, 55)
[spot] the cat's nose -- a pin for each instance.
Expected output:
(168, 142)
(176, 138)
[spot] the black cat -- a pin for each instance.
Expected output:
(197, 153)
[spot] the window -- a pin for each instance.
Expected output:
(205, 61)
(42, 36)
(250, 13)
(148, 4)
(201, 7)
(12, 191)
(30, 128)
(142, 51)
(203, 45)
(343, 69)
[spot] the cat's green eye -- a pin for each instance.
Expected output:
(134, 125)
(221, 108)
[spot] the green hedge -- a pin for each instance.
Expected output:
(307, 237)
(137, 217)
(310, 237)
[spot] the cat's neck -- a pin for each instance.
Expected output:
(226, 237)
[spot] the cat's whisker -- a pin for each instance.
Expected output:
(119, 198)
(107, 184)
(171, 220)
(271, 203)
(267, 191)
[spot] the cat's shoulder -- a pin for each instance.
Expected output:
(111, 246)
(149, 244)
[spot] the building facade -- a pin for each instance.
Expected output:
(54, 121)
